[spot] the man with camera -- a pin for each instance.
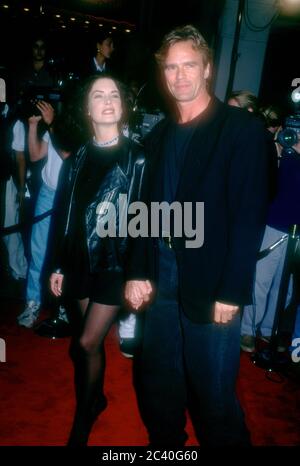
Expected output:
(284, 211)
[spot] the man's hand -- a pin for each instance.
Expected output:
(47, 111)
(137, 292)
(223, 313)
(56, 281)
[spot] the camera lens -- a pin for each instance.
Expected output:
(287, 137)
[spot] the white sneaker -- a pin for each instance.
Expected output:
(62, 315)
(29, 315)
(127, 326)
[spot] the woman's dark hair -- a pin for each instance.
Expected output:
(71, 126)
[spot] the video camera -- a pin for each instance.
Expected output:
(27, 103)
(290, 134)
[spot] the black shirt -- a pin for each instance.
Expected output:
(175, 148)
(99, 161)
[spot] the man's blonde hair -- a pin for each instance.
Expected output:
(184, 34)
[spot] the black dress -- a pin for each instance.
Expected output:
(105, 286)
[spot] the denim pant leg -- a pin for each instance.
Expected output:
(296, 331)
(260, 315)
(39, 238)
(14, 242)
(162, 376)
(212, 356)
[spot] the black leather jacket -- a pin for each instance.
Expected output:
(125, 178)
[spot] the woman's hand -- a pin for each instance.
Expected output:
(56, 281)
(137, 293)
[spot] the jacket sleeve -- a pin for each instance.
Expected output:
(137, 267)
(55, 259)
(247, 200)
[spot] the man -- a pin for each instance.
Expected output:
(34, 74)
(215, 154)
(283, 213)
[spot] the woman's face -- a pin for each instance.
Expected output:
(104, 102)
(106, 47)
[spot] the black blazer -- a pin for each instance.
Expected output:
(226, 167)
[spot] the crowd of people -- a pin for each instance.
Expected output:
(65, 166)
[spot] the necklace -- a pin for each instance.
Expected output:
(106, 143)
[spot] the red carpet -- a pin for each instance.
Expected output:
(37, 400)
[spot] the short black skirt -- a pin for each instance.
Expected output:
(105, 287)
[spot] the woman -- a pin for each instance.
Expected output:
(91, 268)
(99, 61)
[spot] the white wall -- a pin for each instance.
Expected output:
(251, 50)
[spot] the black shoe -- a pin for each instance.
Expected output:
(129, 347)
(83, 424)
(100, 406)
(53, 328)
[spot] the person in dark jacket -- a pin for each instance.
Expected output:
(100, 62)
(213, 153)
(89, 265)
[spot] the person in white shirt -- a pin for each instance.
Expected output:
(14, 195)
(39, 149)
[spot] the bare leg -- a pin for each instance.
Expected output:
(98, 319)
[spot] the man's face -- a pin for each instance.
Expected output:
(185, 72)
(39, 50)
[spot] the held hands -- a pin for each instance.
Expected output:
(56, 281)
(223, 313)
(137, 293)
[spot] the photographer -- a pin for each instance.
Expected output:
(35, 72)
(284, 211)
(41, 149)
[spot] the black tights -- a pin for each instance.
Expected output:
(89, 363)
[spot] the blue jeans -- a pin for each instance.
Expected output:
(258, 318)
(39, 239)
(188, 364)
